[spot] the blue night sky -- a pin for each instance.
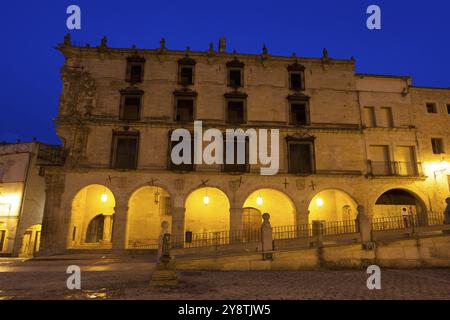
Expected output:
(414, 41)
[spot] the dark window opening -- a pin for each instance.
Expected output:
(296, 81)
(125, 152)
(238, 145)
(448, 108)
(131, 107)
(135, 73)
(301, 158)
(182, 166)
(235, 112)
(299, 113)
(235, 78)
(437, 145)
(431, 108)
(186, 75)
(185, 110)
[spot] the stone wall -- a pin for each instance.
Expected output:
(410, 253)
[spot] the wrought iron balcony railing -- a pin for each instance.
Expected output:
(395, 168)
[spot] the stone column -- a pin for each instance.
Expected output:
(119, 234)
(107, 228)
(302, 212)
(178, 216)
(364, 224)
(54, 234)
(235, 218)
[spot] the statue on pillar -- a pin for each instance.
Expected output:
(447, 211)
(266, 237)
(165, 272)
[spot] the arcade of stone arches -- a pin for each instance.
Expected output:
(207, 210)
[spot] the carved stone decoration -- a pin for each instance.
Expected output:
(78, 148)
(300, 136)
(78, 96)
(300, 184)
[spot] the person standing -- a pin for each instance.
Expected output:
(405, 215)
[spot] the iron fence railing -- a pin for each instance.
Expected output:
(315, 228)
(292, 232)
(143, 244)
(207, 239)
(308, 230)
(402, 222)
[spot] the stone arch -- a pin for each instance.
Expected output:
(90, 202)
(207, 209)
(332, 204)
(391, 201)
(278, 204)
(148, 207)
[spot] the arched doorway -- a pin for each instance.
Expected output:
(30, 241)
(95, 228)
(393, 202)
(207, 210)
(92, 218)
(148, 207)
(332, 205)
(276, 203)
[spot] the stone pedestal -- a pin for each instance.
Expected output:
(164, 275)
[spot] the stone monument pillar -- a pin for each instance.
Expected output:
(165, 272)
(364, 226)
(266, 237)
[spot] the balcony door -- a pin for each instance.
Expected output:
(379, 158)
(406, 161)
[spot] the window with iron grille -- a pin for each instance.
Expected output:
(236, 111)
(125, 150)
(135, 69)
(299, 113)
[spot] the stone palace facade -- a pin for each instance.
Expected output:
(346, 139)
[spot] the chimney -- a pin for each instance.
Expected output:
(222, 45)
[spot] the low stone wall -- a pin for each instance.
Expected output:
(432, 251)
